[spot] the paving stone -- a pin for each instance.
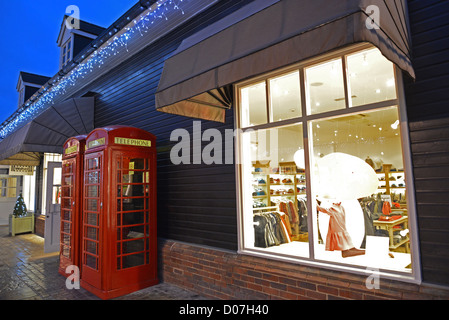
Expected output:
(27, 273)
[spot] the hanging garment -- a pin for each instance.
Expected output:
(269, 230)
(302, 212)
(369, 222)
(338, 237)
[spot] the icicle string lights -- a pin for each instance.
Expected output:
(97, 59)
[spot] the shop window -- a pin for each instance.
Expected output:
(354, 159)
(325, 87)
(274, 192)
(330, 184)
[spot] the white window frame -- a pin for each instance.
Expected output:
(415, 275)
(8, 187)
(68, 55)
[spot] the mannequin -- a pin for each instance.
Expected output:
(338, 237)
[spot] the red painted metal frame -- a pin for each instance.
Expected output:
(71, 202)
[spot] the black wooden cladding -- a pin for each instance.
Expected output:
(428, 114)
(196, 203)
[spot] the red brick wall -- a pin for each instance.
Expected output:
(227, 275)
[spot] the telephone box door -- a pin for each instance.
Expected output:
(135, 218)
(71, 203)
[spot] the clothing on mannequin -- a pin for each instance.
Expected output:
(338, 238)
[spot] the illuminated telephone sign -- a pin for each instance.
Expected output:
(119, 240)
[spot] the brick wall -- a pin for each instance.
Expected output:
(228, 275)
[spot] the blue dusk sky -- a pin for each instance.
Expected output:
(29, 30)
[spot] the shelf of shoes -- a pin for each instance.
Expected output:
(271, 183)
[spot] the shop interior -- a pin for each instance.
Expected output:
(355, 160)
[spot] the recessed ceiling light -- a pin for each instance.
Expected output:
(390, 83)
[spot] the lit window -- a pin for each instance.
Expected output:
(254, 105)
(325, 87)
(8, 187)
(371, 77)
(330, 184)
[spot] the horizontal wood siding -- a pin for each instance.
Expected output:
(196, 203)
(428, 113)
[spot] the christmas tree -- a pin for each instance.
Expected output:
(20, 209)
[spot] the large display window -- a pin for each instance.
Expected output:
(323, 164)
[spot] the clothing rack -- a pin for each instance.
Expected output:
(265, 209)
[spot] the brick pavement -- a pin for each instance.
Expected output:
(27, 273)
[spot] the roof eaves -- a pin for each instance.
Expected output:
(107, 34)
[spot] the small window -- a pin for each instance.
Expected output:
(66, 53)
(285, 97)
(325, 87)
(8, 187)
(254, 105)
(371, 77)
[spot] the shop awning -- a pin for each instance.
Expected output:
(266, 35)
(48, 132)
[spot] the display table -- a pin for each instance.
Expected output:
(389, 227)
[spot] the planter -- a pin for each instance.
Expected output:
(21, 224)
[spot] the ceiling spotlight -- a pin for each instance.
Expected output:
(395, 125)
(390, 83)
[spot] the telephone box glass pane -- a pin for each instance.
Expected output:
(92, 177)
(133, 260)
(92, 219)
(66, 215)
(92, 191)
(93, 164)
(91, 233)
(134, 246)
(91, 261)
(130, 218)
(92, 204)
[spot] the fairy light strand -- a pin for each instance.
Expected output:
(95, 61)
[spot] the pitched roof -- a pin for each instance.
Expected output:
(91, 28)
(84, 26)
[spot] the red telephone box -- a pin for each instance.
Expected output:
(71, 202)
(119, 240)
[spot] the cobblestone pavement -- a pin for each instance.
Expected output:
(27, 273)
